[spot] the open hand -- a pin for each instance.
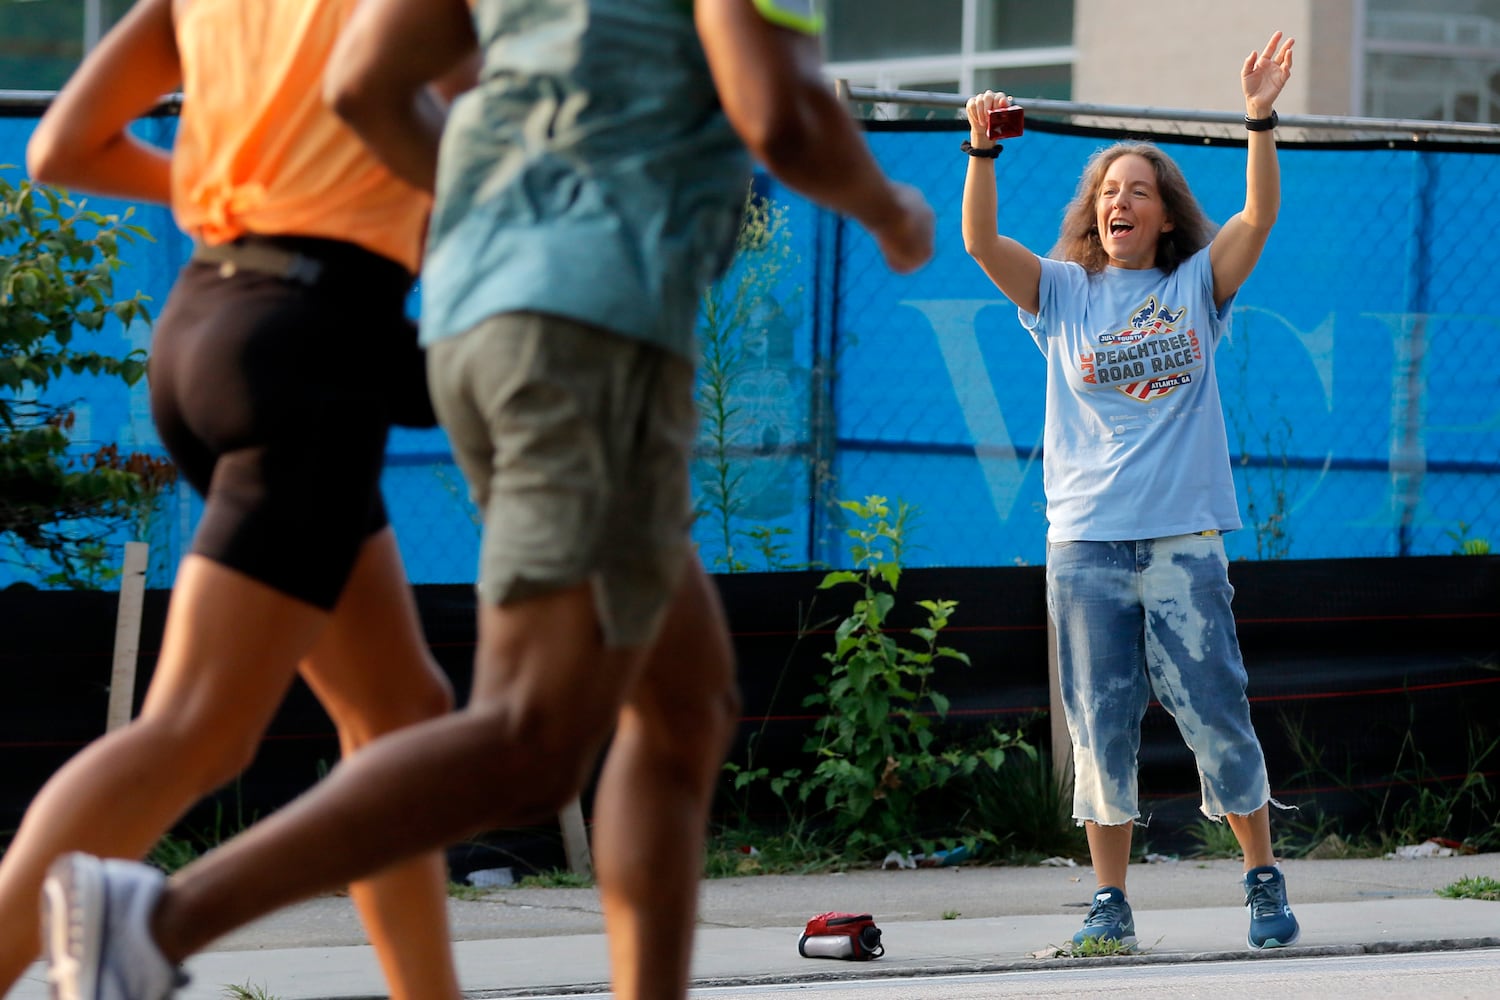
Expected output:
(1264, 74)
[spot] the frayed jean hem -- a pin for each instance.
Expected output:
(1220, 817)
(1143, 823)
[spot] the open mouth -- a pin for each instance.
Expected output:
(1120, 227)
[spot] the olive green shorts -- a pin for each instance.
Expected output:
(575, 443)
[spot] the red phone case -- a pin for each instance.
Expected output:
(1007, 123)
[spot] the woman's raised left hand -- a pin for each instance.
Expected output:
(1264, 74)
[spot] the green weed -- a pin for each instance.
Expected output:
(797, 849)
(1024, 813)
(1417, 804)
(1213, 840)
(1217, 840)
(246, 992)
(875, 766)
(875, 745)
(1467, 545)
(557, 878)
(1095, 947)
(178, 849)
(1472, 887)
(469, 893)
(736, 314)
(172, 853)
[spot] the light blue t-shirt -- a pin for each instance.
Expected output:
(591, 174)
(1134, 440)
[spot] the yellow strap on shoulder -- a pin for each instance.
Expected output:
(798, 15)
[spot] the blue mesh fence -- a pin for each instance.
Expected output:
(1363, 420)
(1363, 414)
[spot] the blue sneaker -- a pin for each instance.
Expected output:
(1109, 919)
(1271, 922)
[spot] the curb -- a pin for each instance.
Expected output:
(873, 970)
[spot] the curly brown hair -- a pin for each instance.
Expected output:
(1078, 239)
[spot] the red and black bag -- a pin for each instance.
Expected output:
(841, 935)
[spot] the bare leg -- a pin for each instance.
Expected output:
(227, 658)
(651, 807)
(1109, 849)
(545, 699)
(372, 671)
(1254, 834)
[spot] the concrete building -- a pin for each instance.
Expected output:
(1431, 59)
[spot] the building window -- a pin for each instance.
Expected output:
(859, 30)
(951, 46)
(1052, 82)
(42, 41)
(1439, 62)
(1022, 24)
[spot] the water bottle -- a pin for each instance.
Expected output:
(827, 946)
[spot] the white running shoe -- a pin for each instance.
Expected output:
(96, 918)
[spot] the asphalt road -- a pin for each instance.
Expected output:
(1465, 975)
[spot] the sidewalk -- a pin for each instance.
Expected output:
(519, 942)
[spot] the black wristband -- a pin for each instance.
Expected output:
(988, 154)
(1262, 124)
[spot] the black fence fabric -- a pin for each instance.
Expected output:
(1370, 679)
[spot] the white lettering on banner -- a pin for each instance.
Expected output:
(1317, 343)
(1409, 333)
(952, 322)
(1411, 337)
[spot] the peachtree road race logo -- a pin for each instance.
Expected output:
(1149, 359)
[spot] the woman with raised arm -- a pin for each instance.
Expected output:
(1128, 309)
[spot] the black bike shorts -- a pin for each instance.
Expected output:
(274, 396)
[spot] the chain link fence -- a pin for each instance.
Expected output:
(1363, 405)
(1362, 421)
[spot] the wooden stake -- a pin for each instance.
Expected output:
(127, 635)
(576, 839)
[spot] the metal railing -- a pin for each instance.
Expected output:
(1073, 111)
(23, 102)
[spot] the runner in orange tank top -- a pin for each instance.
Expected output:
(258, 149)
(277, 366)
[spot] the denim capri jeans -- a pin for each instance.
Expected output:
(1148, 616)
